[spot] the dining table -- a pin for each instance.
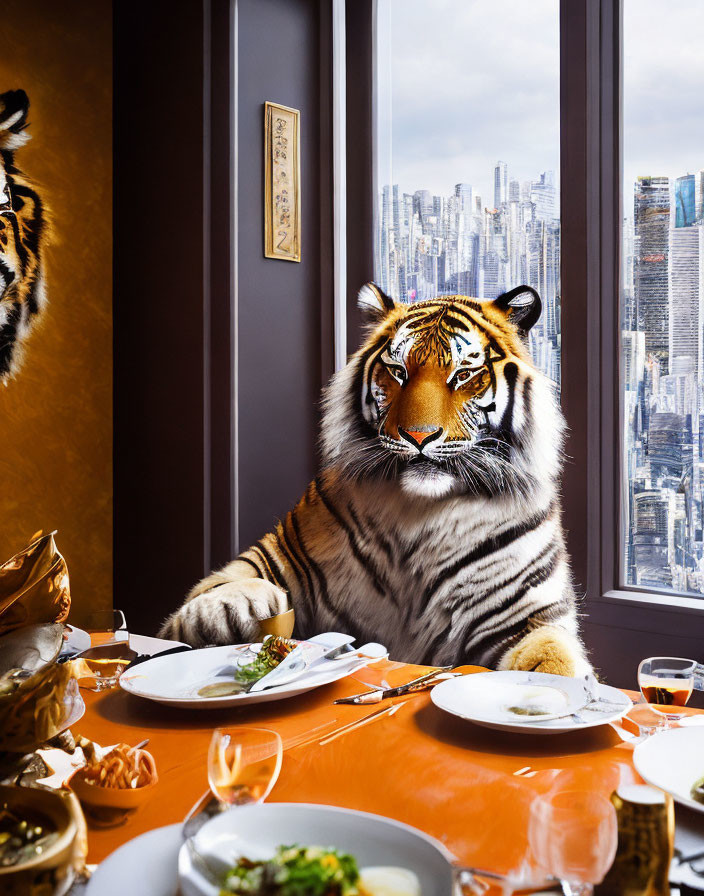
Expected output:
(469, 787)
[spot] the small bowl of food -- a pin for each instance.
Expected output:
(38, 841)
(123, 779)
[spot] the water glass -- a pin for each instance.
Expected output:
(573, 836)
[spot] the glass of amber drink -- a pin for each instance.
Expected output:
(243, 764)
(666, 683)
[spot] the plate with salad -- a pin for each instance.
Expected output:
(298, 849)
(233, 675)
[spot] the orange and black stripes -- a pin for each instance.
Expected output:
(451, 551)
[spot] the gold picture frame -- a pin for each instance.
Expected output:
(282, 182)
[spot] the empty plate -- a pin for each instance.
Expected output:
(528, 702)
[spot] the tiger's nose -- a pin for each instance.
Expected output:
(419, 438)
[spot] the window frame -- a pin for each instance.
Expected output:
(591, 220)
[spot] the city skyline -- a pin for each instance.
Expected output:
(428, 244)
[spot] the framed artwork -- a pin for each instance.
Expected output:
(282, 182)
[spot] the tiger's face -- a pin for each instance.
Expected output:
(22, 235)
(442, 397)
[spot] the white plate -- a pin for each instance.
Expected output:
(77, 640)
(145, 866)
(673, 760)
(145, 644)
(483, 696)
(175, 680)
(256, 831)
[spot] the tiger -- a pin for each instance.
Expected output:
(434, 523)
(23, 236)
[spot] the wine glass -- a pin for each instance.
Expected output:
(573, 836)
(666, 682)
(243, 764)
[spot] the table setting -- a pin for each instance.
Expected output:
(138, 764)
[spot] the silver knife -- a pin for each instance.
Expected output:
(418, 684)
(301, 659)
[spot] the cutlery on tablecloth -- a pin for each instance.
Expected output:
(428, 679)
(519, 883)
(591, 686)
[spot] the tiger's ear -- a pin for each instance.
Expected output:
(522, 306)
(374, 303)
(14, 106)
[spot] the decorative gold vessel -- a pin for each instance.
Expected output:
(34, 586)
(646, 830)
(52, 871)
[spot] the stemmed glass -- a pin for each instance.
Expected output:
(666, 683)
(573, 836)
(243, 764)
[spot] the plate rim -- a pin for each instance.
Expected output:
(538, 727)
(341, 810)
(637, 756)
(185, 864)
(281, 691)
(174, 829)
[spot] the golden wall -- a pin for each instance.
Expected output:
(56, 414)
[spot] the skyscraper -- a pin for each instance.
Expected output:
(685, 205)
(542, 195)
(464, 195)
(684, 281)
(651, 208)
(653, 538)
(500, 184)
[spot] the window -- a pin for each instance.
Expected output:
(467, 154)
(662, 296)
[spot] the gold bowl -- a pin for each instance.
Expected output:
(280, 625)
(53, 870)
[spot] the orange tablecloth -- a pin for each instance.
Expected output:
(469, 787)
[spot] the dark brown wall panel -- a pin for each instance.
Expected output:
(359, 16)
(279, 361)
(158, 308)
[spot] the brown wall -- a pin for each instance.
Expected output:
(176, 513)
(56, 415)
(282, 305)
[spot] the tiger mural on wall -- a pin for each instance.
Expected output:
(434, 525)
(23, 233)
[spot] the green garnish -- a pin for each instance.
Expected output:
(271, 653)
(295, 871)
(697, 791)
(527, 711)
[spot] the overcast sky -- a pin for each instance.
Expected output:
(663, 74)
(473, 81)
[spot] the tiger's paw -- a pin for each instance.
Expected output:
(227, 614)
(550, 649)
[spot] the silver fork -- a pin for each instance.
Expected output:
(205, 808)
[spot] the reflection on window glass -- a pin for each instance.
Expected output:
(662, 299)
(468, 154)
